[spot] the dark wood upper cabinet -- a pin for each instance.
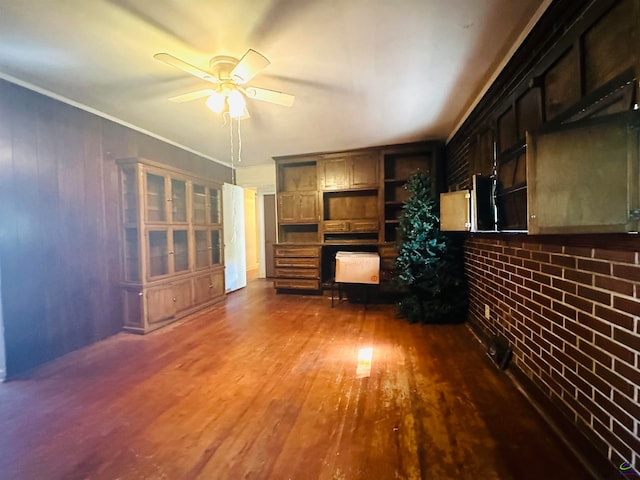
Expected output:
(508, 133)
(333, 174)
(583, 177)
(308, 207)
(481, 153)
(298, 207)
(562, 84)
(610, 46)
(364, 171)
(350, 172)
(297, 177)
(287, 211)
(529, 112)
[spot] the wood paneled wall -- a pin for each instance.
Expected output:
(569, 305)
(59, 228)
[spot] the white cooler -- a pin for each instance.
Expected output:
(357, 267)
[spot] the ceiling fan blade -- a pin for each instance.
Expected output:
(248, 66)
(271, 96)
(185, 67)
(187, 97)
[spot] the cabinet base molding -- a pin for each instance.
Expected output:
(157, 325)
(149, 307)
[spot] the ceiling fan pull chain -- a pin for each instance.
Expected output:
(233, 168)
(239, 142)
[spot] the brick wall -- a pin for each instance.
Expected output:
(572, 314)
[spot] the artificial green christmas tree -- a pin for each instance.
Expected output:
(430, 264)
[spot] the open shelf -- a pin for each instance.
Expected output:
(350, 204)
(299, 233)
(400, 166)
(297, 177)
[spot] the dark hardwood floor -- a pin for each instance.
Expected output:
(267, 386)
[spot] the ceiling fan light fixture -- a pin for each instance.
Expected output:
(237, 104)
(230, 76)
(215, 102)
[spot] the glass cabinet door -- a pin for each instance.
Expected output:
(129, 196)
(180, 251)
(156, 199)
(199, 201)
(178, 200)
(131, 255)
(214, 206)
(216, 247)
(202, 248)
(158, 252)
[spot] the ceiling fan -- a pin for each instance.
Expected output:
(230, 76)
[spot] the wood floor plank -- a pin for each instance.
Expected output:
(267, 386)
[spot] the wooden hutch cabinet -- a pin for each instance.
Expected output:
(171, 239)
(343, 201)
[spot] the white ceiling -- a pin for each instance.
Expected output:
(364, 72)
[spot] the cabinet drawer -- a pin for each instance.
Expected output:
(299, 284)
(296, 251)
(364, 226)
(297, 262)
(336, 226)
(342, 226)
(388, 251)
(297, 272)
